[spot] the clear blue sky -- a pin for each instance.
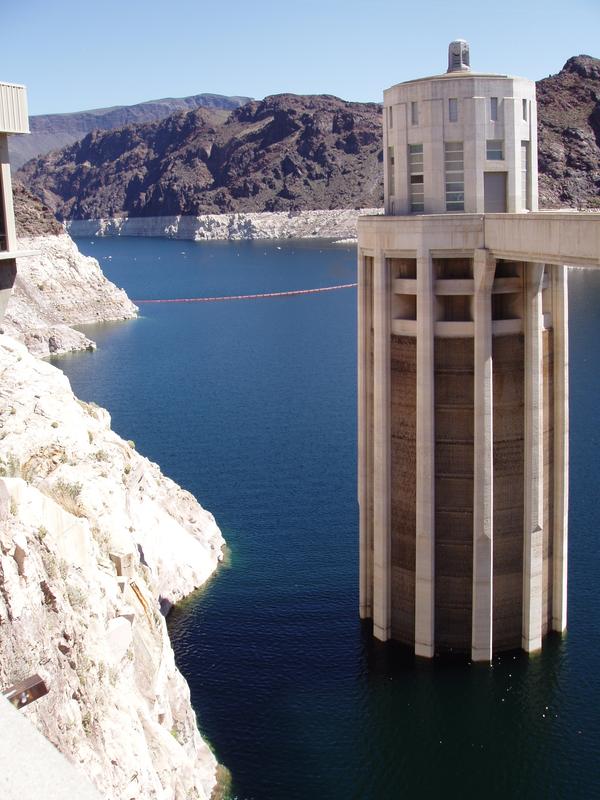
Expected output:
(77, 54)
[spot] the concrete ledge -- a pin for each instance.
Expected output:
(560, 237)
(503, 327)
(8, 255)
(454, 329)
(404, 327)
(506, 285)
(454, 286)
(31, 767)
(405, 286)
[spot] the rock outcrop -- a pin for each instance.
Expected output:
(93, 541)
(57, 286)
(292, 153)
(53, 131)
(284, 153)
(569, 135)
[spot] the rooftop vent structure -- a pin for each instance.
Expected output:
(458, 56)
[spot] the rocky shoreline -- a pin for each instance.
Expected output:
(96, 544)
(327, 224)
(94, 540)
(57, 288)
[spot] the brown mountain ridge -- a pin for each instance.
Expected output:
(291, 152)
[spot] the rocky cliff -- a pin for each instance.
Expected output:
(335, 224)
(291, 153)
(284, 153)
(57, 287)
(93, 541)
(569, 135)
(53, 131)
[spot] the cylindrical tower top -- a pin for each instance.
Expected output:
(458, 56)
(462, 141)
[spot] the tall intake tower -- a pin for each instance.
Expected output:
(463, 394)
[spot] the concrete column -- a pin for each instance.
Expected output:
(6, 198)
(475, 154)
(8, 273)
(484, 267)
(533, 162)
(531, 638)
(401, 158)
(560, 313)
(365, 388)
(387, 140)
(512, 113)
(425, 500)
(381, 444)
(435, 183)
(8, 268)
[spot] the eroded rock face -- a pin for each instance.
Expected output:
(56, 288)
(334, 224)
(32, 217)
(569, 135)
(78, 604)
(284, 153)
(53, 131)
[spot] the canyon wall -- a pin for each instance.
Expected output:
(94, 541)
(334, 224)
(96, 544)
(56, 286)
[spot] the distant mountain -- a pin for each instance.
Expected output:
(569, 134)
(285, 152)
(54, 131)
(291, 152)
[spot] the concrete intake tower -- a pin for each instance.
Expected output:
(463, 372)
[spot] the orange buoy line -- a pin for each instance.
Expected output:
(251, 296)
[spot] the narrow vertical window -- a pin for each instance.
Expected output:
(453, 109)
(414, 113)
(391, 172)
(525, 175)
(390, 117)
(525, 110)
(415, 177)
(454, 167)
(494, 109)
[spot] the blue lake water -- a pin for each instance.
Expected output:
(251, 405)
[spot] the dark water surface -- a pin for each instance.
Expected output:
(251, 406)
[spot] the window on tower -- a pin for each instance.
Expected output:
(525, 175)
(391, 172)
(414, 113)
(494, 109)
(495, 150)
(454, 166)
(416, 179)
(453, 109)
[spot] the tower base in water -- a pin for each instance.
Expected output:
(463, 426)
